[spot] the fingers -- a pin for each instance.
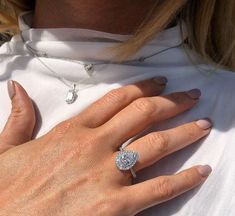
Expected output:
(143, 112)
(114, 101)
(157, 145)
(152, 192)
(21, 122)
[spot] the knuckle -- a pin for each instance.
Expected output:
(63, 127)
(115, 96)
(158, 142)
(16, 112)
(24, 113)
(191, 131)
(88, 140)
(189, 179)
(91, 143)
(145, 106)
(105, 201)
(163, 188)
(22, 117)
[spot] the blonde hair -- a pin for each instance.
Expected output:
(210, 25)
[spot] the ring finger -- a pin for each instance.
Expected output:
(157, 145)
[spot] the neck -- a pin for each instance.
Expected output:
(114, 16)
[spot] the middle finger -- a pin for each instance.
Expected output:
(145, 111)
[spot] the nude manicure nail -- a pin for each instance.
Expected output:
(161, 80)
(204, 123)
(194, 93)
(204, 170)
(11, 88)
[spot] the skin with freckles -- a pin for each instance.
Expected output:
(71, 170)
(92, 14)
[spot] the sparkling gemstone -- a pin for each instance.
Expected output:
(71, 96)
(125, 160)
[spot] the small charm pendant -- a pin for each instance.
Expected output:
(89, 68)
(72, 95)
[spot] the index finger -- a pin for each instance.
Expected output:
(111, 103)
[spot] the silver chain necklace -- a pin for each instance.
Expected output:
(72, 94)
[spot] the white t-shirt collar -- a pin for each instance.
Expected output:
(89, 42)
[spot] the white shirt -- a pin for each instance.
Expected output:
(216, 197)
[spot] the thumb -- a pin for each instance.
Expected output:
(21, 122)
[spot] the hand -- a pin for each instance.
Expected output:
(71, 170)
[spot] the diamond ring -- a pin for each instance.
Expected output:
(125, 160)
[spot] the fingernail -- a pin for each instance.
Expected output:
(161, 80)
(204, 123)
(204, 170)
(11, 88)
(194, 93)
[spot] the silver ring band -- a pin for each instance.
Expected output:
(133, 173)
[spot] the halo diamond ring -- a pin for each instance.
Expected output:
(125, 160)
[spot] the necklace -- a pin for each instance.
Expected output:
(72, 94)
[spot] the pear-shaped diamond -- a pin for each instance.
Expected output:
(125, 160)
(71, 96)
